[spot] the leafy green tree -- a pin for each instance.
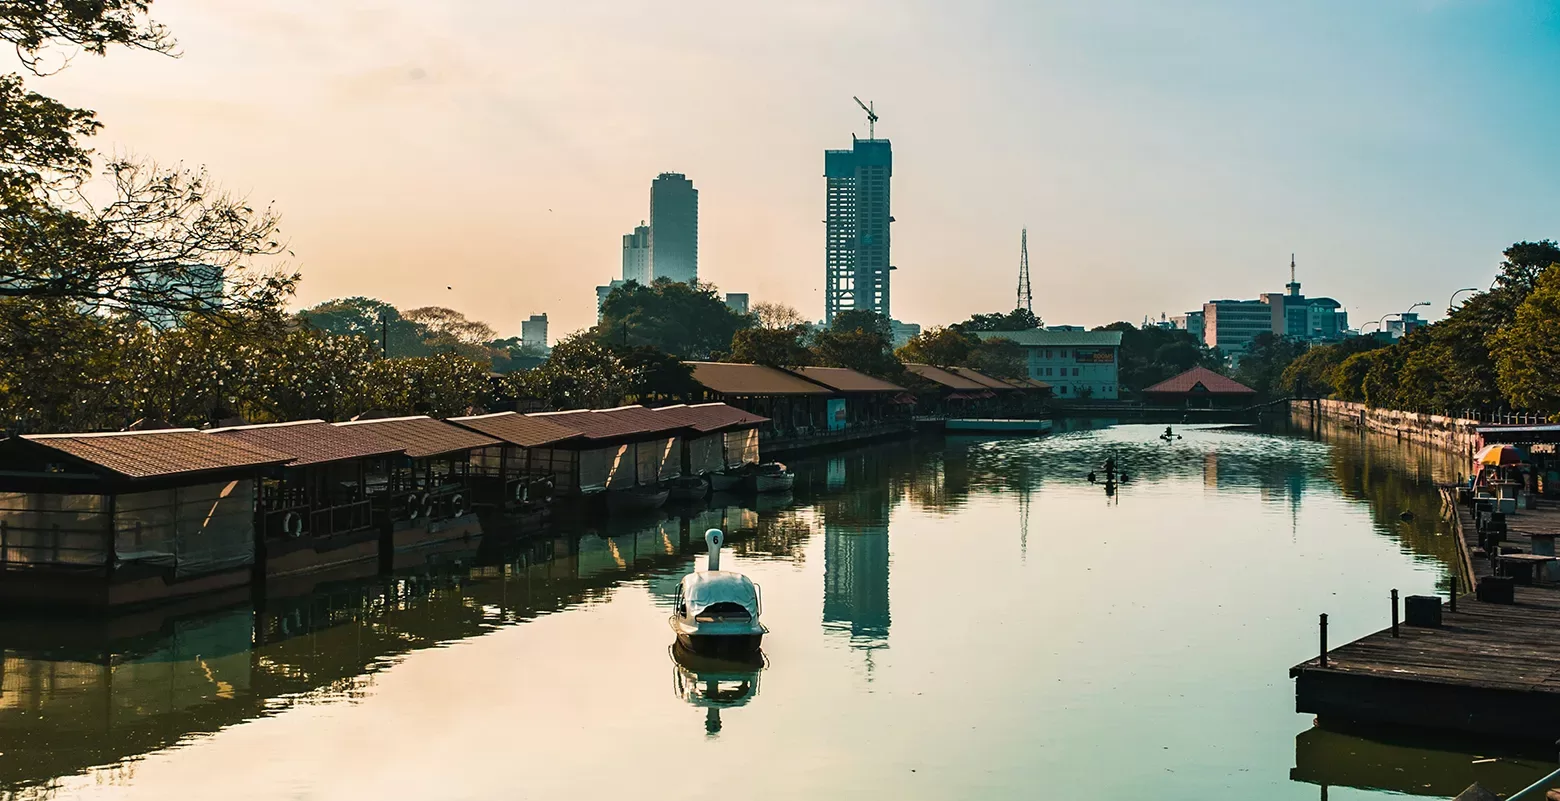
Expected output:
(1527, 353)
(66, 370)
(580, 373)
(308, 374)
(442, 385)
(689, 321)
(1000, 357)
(1525, 262)
(654, 375)
(940, 347)
(1264, 363)
(1150, 355)
(1348, 380)
(775, 347)
(511, 354)
(449, 331)
(858, 340)
(776, 316)
(1015, 320)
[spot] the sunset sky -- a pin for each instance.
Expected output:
(1161, 154)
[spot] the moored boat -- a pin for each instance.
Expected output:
(717, 610)
(637, 499)
(726, 480)
(771, 477)
(688, 488)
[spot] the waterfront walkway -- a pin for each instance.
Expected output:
(1490, 669)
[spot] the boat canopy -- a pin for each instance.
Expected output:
(704, 589)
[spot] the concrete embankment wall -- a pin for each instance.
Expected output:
(1451, 434)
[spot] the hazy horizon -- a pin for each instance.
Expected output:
(1159, 158)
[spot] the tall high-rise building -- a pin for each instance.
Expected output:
(856, 224)
(674, 228)
(533, 332)
(636, 255)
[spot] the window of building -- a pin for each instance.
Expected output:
(1048, 353)
(1075, 372)
(1062, 353)
(1061, 390)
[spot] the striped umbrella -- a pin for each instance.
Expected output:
(1498, 454)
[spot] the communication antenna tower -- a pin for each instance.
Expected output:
(1026, 298)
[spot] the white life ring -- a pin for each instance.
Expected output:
(547, 489)
(522, 491)
(292, 525)
(457, 505)
(429, 505)
(414, 507)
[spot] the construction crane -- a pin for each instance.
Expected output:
(871, 117)
(1026, 297)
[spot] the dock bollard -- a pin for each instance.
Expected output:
(1324, 639)
(1394, 613)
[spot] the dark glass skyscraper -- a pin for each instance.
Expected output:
(856, 223)
(674, 228)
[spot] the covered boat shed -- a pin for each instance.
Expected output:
(315, 510)
(524, 472)
(720, 437)
(944, 392)
(620, 448)
(113, 519)
(433, 479)
(791, 403)
(863, 400)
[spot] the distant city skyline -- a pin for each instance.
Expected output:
(1159, 155)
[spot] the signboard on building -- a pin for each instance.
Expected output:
(837, 416)
(1095, 356)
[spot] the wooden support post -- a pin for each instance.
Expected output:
(1394, 613)
(1324, 639)
(1454, 593)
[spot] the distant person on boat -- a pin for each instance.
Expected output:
(1092, 477)
(1110, 466)
(1169, 432)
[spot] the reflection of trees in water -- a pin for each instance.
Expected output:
(1394, 477)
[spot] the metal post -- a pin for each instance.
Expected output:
(1394, 613)
(1324, 639)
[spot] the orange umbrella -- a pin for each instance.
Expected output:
(1498, 454)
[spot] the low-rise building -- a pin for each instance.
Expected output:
(1077, 364)
(533, 332)
(1404, 325)
(1200, 388)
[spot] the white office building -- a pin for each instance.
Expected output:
(1078, 365)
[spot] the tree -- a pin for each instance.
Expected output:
(654, 375)
(169, 243)
(775, 347)
(1015, 320)
(1527, 353)
(1148, 356)
(512, 353)
(1314, 373)
(1525, 262)
(858, 349)
(449, 331)
(862, 320)
(689, 321)
(1000, 357)
(442, 385)
(776, 316)
(580, 373)
(33, 25)
(66, 370)
(941, 347)
(1349, 379)
(370, 319)
(1264, 363)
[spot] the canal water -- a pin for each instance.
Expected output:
(950, 619)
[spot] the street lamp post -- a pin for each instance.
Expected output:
(1453, 298)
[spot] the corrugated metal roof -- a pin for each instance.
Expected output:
(844, 379)
(527, 431)
(751, 379)
(937, 375)
(1211, 382)
(307, 441)
(420, 437)
(1036, 338)
(710, 417)
(164, 452)
(624, 422)
(981, 378)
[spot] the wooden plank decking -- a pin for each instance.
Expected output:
(1491, 669)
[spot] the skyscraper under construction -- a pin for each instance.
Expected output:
(856, 227)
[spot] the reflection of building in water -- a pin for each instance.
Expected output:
(1211, 469)
(855, 583)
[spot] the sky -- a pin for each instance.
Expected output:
(488, 155)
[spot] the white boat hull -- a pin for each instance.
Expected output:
(768, 483)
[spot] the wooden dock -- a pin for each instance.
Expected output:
(1490, 670)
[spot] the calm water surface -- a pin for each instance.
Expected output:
(959, 619)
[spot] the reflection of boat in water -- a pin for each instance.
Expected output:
(688, 488)
(1411, 763)
(727, 480)
(771, 477)
(717, 610)
(715, 683)
(637, 499)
